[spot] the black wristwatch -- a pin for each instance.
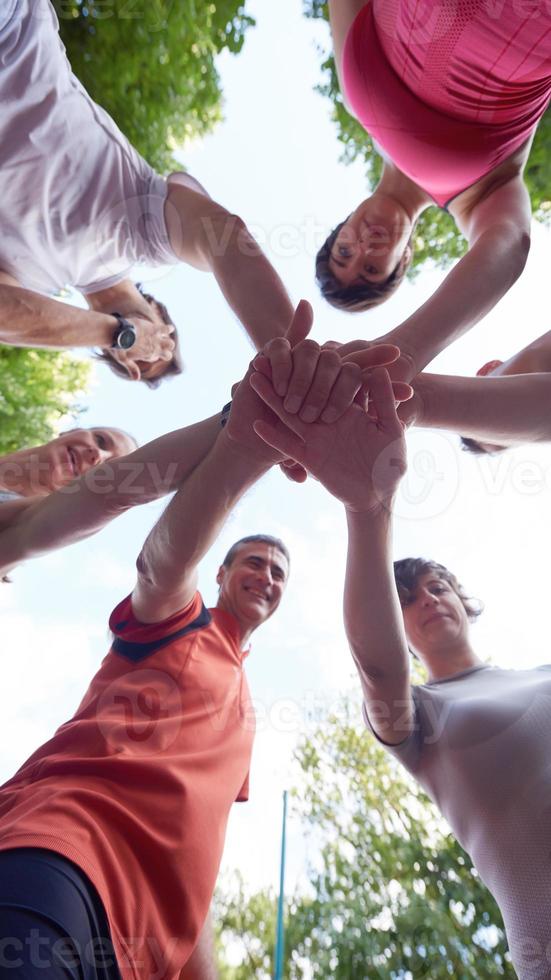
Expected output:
(125, 334)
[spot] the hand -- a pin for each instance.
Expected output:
(359, 459)
(320, 381)
(154, 343)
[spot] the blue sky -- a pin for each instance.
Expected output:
(275, 161)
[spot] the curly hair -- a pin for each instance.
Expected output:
(364, 295)
(408, 571)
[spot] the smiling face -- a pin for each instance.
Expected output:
(435, 618)
(73, 453)
(251, 587)
(371, 242)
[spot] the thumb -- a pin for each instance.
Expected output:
(301, 324)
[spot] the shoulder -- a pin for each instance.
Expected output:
(136, 640)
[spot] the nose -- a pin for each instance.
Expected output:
(428, 598)
(265, 576)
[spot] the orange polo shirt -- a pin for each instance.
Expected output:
(137, 787)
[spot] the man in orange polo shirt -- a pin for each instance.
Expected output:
(111, 834)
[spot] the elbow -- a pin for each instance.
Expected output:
(515, 245)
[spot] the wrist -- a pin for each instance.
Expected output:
(105, 330)
(259, 460)
(373, 511)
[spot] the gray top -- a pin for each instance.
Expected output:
(481, 748)
(78, 205)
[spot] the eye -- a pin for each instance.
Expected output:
(371, 270)
(100, 440)
(344, 251)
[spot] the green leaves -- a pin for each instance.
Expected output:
(392, 893)
(151, 64)
(37, 388)
(436, 237)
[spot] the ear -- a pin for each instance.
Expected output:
(221, 574)
(407, 256)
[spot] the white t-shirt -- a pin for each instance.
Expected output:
(78, 205)
(481, 749)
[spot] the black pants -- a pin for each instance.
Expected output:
(52, 921)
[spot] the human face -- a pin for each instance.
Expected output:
(435, 619)
(75, 452)
(371, 242)
(252, 586)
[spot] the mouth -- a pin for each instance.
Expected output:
(257, 594)
(73, 461)
(435, 617)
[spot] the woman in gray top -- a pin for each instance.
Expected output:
(476, 737)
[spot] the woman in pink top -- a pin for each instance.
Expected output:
(452, 94)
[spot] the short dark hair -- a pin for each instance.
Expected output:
(261, 539)
(408, 571)
(472, 446)
(173, 367)
(364, 295)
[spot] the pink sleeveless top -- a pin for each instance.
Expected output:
(449, 90)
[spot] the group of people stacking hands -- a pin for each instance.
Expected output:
(111, 833)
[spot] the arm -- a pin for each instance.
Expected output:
(28, 319)
(360, 460)
(499, 235)
(167, 564)
(374, 625)
(504, 411)
(202, 962)
(209, 237)
(32, 527)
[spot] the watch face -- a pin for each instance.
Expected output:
(127, 338)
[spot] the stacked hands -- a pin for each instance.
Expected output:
(325, 411)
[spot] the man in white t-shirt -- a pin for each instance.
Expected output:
(80, 207)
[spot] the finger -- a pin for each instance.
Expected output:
(373, 356)
(353, 346)
(344, 392)
(278, 353)
(266, 392)
(381, 397)
(402, 391)
(133, 370)
(280, 439)
(305, 362)
(321, 390)
(301, 324)
(262, 365)
(293, 471)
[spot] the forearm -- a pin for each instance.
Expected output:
(469, 291)
(86, 505)
(28, 319)
(372, 614)
(250, 284)
(196, 514)
(503, 411)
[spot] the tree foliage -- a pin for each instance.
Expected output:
(151, 64)
(393, 895)
(436, 236)
(37, 388)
